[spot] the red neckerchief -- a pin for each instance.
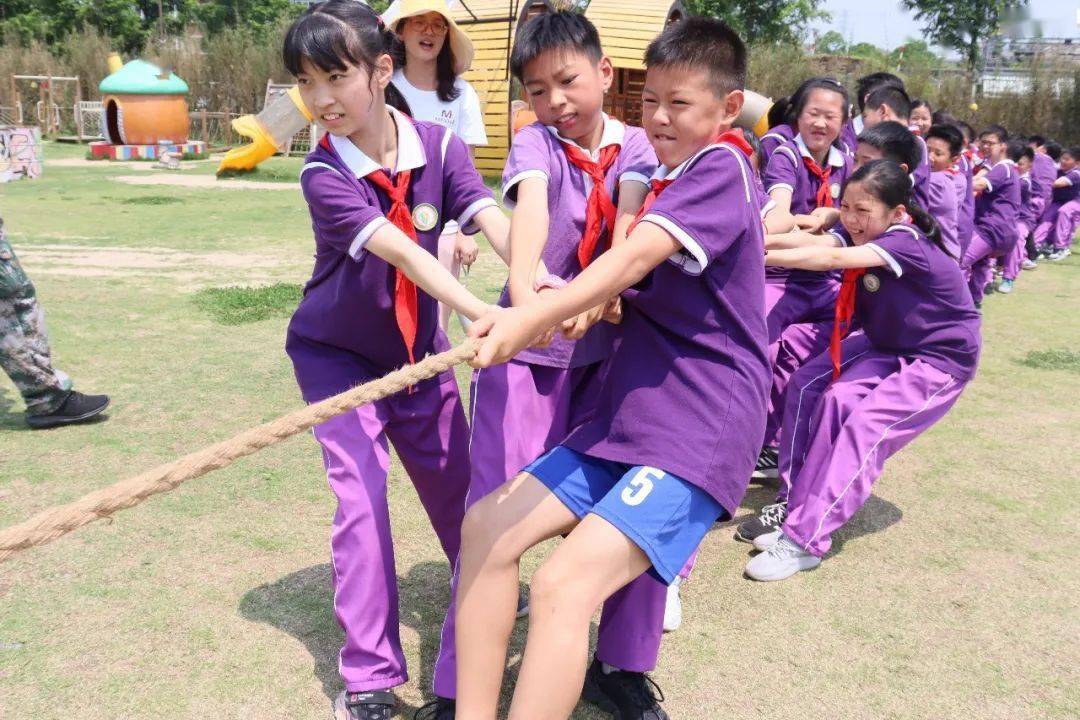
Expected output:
(845, 311)
(406, 304)
(731, 137)
(823, 197)
(599, 208)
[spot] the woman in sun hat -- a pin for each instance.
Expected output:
(435, 54)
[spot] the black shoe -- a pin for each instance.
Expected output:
(768, 465)
(770, 520)
(76, 409)
(438, 709)
(626, 695)
(370, 705)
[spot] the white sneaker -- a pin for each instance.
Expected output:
(766, 541)
(673, 607)
(1030, 264)
(1059, 255)
(781, 561)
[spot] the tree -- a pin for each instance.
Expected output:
(831, 43)
(962, 24)
(763, 20)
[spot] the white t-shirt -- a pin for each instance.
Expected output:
(462, 116)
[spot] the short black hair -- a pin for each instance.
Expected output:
(893, 97)
(895, 142)
(1053, 149)
(779, 111)
(1001, 133)
(867, 83)
(562, 30)
(1015, 149)
(1037, 140)
(704, 44)
(942, 117)
(950, 134)
(802, 95)
(1074, 151)
(918, 103)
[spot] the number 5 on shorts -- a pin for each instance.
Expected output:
(638, 487)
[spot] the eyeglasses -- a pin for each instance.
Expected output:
(437, 27)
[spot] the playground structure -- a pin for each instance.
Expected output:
(283, 122)
(144, 113)
(20, 153)
(59, 107)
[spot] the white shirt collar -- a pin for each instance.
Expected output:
(410, 151)
(857, 125)
(836, 158)
(612, 134)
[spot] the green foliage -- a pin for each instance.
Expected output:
(132, 24)
(831, 43)
(961, 24)
(1055, 359)
(763, 21)
(240, 305)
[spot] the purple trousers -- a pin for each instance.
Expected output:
(428, 429)
(838, 435)
(800, 320)
(1045, 235)
(1068, 220)
(1014, 260)
(519, 412)
(976, 263)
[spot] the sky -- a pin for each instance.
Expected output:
(884, 24)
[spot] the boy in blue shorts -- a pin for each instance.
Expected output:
(680, 412)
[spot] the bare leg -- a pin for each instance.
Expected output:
(447, 244)
(496, 532)
(594, 561)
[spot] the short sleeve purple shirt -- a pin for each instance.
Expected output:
(997, 207)
(538, 152)
(921, 190)
(777, 136)
(344, 331)
(943, 207)
(1043, 174)
(1027, 207)
(966, 208)
(686, 388)
(1070, 192)
(918, 304)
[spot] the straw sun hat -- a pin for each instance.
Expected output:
(460, 45)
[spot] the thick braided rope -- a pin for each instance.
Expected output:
(50, 524)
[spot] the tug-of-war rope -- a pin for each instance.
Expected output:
(50, 524)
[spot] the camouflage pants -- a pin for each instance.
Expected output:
(24, 346)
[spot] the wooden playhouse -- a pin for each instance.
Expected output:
(626, 27)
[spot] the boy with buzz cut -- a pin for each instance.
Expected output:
(678, 419)
(575, 178)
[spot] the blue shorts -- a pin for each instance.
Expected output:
(661, 513)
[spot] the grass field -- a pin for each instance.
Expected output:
(953, 594)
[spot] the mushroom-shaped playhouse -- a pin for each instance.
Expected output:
(144, 113)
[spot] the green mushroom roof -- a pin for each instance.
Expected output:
(139, 77)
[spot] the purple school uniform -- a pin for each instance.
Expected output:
(537, 152)
(685, 390)
(344, 333)
(1043, 174)
(1046, 230)
(524, 407)
(918, 349)
(921, 176)
(1024, 223)
(966, 208)
(777, 136)
(849, 135)
(943, 207)
(996, 210)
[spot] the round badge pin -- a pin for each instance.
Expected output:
(425, 217)
(871, 282)
(834, 190)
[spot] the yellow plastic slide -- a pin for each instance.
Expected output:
(269, 130)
